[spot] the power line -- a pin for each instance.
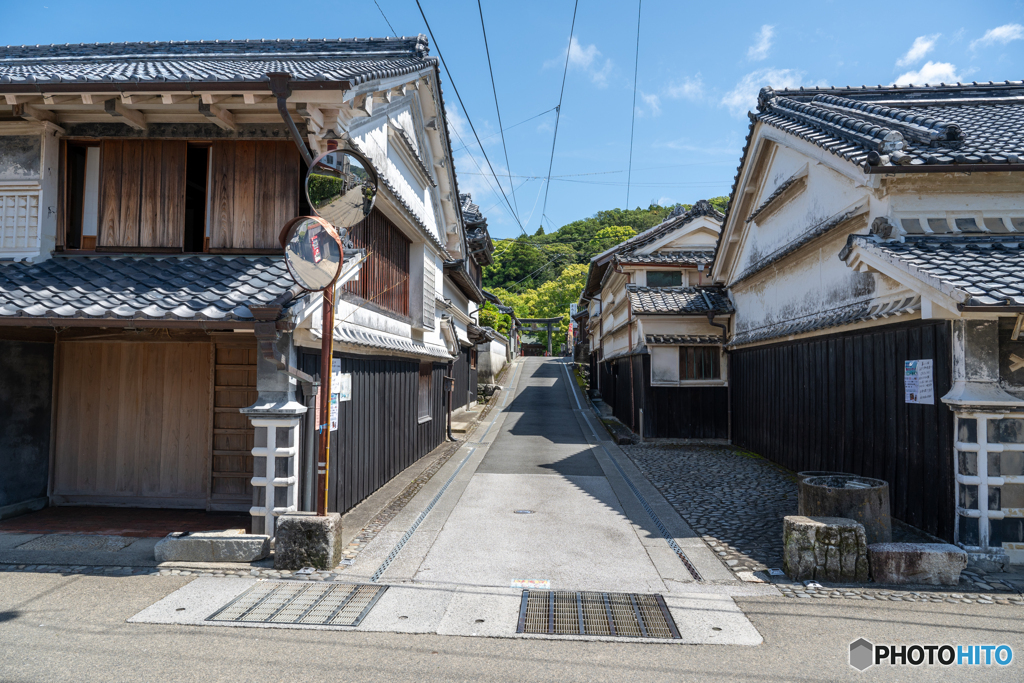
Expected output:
(393, 31)
(513, 126)
(494, 89)
(632, 123)
(558, 109)
(466, 112)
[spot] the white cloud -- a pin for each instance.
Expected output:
(1000, 34)
(759, 50)
(688, 88)
(586, 58)
(932, 73)
(653, 101)
(922, 46)
(744, 96)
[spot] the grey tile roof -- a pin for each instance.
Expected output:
(324, 60)
(354, 335)
(678, 300)
(677, 219)
(689, 257)
(204, 288)
(682, 339)
(989, 269)
(834, 317)
(905, 126)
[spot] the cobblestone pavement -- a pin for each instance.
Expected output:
(736, 501)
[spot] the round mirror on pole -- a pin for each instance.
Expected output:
(313, 252)
(341, 187)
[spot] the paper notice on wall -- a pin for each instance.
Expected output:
(335, 374)
(918, 383)
(343, 386)
(334, 412)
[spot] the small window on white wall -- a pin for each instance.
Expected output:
(664, 278)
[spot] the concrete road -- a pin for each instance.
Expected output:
(57, 628)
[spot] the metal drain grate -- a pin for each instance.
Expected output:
(568, 613)
(292, 602)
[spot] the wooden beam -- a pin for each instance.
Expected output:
(133, 118)
(207, 98)
(87, 98)
(17, 99)
(218, 115)
(59, 99)
(308, 111)
(172, 98)
(30, 113)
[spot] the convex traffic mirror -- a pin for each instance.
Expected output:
(341, 187)
(312, 251)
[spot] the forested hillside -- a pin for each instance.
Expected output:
(541, 274)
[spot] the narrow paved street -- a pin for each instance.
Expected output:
(536, 492)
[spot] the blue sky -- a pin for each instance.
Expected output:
(700, 67)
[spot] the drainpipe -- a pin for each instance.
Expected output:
(309, 396)
(449, 382)
(728, 385)
(280, 86)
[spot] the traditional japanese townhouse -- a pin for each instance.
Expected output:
(153, 344)
(870, 228)
(656, 326)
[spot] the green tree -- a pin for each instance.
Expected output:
(606, 238)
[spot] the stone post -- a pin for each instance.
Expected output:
(275, 415)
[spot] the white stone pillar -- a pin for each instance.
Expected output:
(275, 467)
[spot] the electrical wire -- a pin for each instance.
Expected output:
(466, 112)
(513, 126)
(558, 109)
(632, 123)
(393, 31)
(494, 89)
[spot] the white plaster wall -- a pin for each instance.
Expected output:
(665, 364)
(807, 283)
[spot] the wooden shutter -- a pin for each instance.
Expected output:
(255, 192)
(142, 193)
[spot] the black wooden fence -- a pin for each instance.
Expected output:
(379, 433)
(680, 412)
(465, 376)
(837, 403)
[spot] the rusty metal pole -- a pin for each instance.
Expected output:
(326, 358)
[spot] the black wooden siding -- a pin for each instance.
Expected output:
(837, 403)
(668, 412)
(464, 391)
(379, 431)
(26, 388)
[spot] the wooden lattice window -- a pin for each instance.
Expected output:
(700, 362)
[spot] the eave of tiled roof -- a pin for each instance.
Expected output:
(689, 257)
(682, 339)
(362, 337)
(202, 289)
(987, 270)
(343, 62)
(834, 317)
(677, 300)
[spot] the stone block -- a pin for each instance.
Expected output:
(306, 540)
(935, 564)
(824, 548)
(230, 545)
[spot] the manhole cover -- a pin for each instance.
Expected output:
(290, 602)
(567, 613)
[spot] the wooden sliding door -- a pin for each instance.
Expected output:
(134, 423)
(255, 191)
